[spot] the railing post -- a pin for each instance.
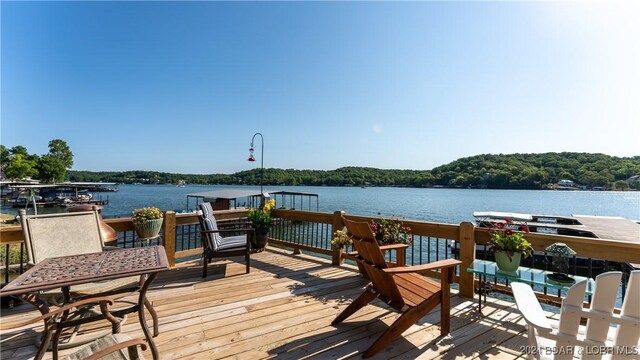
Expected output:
(337, 224)
(169, 236)
(467, 255)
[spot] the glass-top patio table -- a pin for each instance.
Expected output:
(533, 277)
(64, 272)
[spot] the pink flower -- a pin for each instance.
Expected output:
(500, 225)
(508, 232)
(508, 221)
(524, 228)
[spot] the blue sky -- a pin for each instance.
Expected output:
(182, 87)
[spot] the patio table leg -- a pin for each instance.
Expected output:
(56, 337)
(484, 287)
(143, 323)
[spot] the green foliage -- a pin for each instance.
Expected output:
(20, 166)
(340, 240)
(53, 166)
(261, 218)
(509, 241)
(140, 216)
(391, 231)
(14, 255)
(535, 171)
(515, 171)
(17, 163)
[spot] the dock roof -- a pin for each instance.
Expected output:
(239, 193)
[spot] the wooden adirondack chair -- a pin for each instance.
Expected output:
(566, 338)
(401, 287)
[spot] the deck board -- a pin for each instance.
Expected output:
(284, 308)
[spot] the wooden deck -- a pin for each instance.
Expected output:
(284, 308)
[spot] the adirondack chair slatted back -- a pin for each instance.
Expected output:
(53, 235)
(569, 322)
(600, 318)
(628, 335)
(604, 300)
(373, 261)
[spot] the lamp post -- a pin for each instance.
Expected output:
(252, 158)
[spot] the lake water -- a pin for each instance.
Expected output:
(436, 205)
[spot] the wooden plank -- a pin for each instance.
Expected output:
(300, 247)
(283, 309)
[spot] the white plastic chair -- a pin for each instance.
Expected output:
(567, 339)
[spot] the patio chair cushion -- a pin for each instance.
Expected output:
(214, 240)
(233, 243)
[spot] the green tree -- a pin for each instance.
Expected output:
(53, 166)
(621, 185)
(4, 155)
(20, 167)
(17, 163)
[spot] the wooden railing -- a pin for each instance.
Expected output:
(312, 232)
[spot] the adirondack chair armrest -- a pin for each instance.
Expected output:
(96, 300)
(393, 246)
(530, 307)
(384, 248)
(442, 264)
(116, 347)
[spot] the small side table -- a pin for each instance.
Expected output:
(527, 275)
(147, 241)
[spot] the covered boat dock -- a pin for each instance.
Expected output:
(243, 198)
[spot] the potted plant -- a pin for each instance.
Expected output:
(508, 246)
(147, 222)
(391, 231)
(261, 221)
(340, 240)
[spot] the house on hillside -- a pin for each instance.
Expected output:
(567, 183)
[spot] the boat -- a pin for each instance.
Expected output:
(61, 195)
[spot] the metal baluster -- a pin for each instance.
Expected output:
(21, 257)
(6, 267)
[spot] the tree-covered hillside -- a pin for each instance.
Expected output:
(534, 171)
(514, 171)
